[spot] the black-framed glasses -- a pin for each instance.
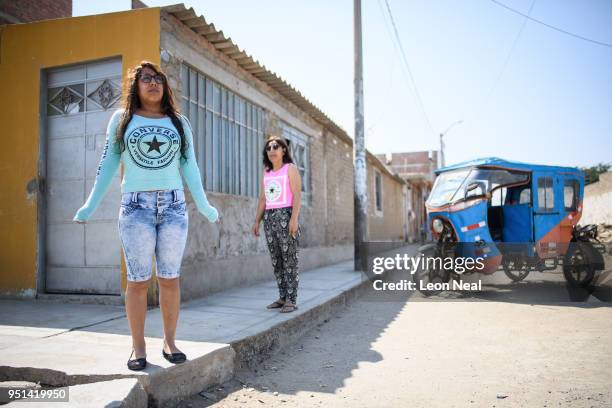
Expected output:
(157, 78)
(272, 146)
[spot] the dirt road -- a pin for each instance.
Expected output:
(510, 348)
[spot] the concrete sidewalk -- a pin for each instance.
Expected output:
(70, 344)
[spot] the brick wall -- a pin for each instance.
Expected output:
(25, 11)
(136, 4)
(338, 168)
(411, 162)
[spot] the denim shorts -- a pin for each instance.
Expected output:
(153, 223)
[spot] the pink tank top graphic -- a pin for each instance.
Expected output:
(277, 188)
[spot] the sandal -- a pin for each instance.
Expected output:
(288, 308)
(136, 364)
(174, 358)
(275, 305)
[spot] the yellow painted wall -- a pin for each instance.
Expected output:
(25, 51)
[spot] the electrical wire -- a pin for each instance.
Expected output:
(407, 66)
(371, 128)
(551, 26)
(508, 57)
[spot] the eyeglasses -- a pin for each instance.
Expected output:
(272, 146)
(147, 79)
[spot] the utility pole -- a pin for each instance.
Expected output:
(359, 153)
(442, 161)
(442, 164)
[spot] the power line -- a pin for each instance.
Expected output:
(375, 123)
(509, 56)
(551, 26)
(407, 65)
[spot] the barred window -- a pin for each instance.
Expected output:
(571, 187)
(299, 148)
(378, 190)
(228, 134)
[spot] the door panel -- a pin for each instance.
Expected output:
(547, 213)
(569, 188)
(108, 208)
(72, 192)
(62, 277)
(65, 244)
(80, 258)
(67, 155)
(65, 126)
(99, 250)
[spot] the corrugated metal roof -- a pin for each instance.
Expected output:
(226, 46)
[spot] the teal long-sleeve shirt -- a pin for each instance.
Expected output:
(151, 161)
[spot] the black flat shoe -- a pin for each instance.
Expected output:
(174, 358)
(136, 364)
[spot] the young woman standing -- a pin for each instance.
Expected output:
(279, 206)
(155, 144)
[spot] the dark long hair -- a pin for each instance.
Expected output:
(132, 102)
(283, 144)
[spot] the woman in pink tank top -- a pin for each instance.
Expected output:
(279, 207)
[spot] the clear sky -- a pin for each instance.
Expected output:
(542, 97)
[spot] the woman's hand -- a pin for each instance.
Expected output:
(211, 214)
(256, 229)
(293, 227)
(81, 215)
(78, 219)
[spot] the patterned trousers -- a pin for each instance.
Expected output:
(283, 250)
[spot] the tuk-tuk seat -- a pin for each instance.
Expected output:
(495, 218)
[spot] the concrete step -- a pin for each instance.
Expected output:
(83, 358)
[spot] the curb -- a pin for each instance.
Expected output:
(256, 348)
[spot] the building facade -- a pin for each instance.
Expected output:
(417, 170)
(61, 92)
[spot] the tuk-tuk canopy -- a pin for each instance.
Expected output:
(501, 163)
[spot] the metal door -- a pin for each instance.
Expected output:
(79, 102)
(546, 213)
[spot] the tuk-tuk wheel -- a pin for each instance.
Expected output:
(516, 270)
(576, 267)
(430, 275)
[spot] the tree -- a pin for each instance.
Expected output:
(591, 174)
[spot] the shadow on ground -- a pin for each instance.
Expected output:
(333, 357)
